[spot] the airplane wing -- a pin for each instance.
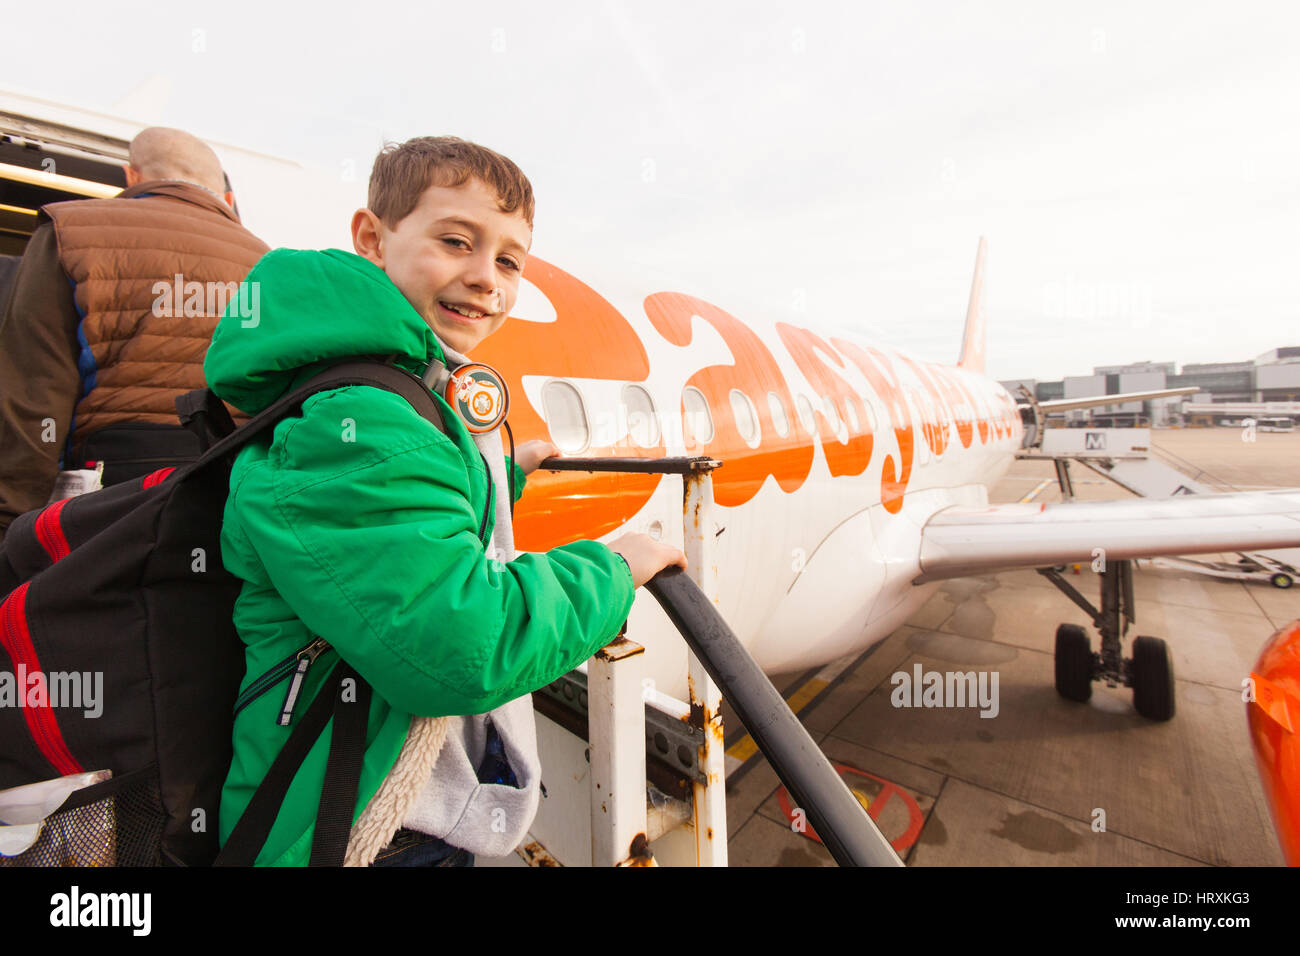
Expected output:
(1100, 401)
(960, 541)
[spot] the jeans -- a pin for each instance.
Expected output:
(412, 848)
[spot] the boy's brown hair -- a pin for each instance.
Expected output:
(402, 173)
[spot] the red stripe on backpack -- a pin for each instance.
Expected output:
(157, 477)
(17, 640)
(49, 531)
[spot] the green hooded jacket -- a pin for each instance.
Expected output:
(360, 523)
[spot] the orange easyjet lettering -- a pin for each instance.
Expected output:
(880, 375)
(757, 377)
(844, 458)
(589, 339)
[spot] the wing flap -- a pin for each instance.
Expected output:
(961, 541)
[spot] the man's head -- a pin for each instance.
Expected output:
(173, 154)
(451, 223)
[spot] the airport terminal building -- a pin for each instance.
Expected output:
(1268, 385)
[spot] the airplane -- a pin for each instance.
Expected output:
(862, 470)
(854, 477)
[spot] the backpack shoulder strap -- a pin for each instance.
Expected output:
(359, 372)
(342, 777)
(205, 415)
(347, 744)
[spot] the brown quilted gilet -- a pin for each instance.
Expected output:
(142, 345)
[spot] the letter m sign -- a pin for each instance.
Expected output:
(1094, 441)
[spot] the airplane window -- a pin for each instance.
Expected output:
(699, 423)
(871, 417)
(566, 418)
(854, 425)
(746, 416)
(828, 408)
(779, 417)
(806, 414)
(642, 425)
(922, 445)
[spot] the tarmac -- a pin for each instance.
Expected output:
(1047, 781)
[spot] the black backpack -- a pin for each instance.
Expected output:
(127, 585)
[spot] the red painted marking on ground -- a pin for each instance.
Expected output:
(888, 789)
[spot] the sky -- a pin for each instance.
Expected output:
(1133, 166)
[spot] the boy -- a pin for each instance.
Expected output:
(361, 525)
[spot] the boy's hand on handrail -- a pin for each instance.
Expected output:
(645, 556)
(530, 454)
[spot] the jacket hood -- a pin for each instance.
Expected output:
(303, 310)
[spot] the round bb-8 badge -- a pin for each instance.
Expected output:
(479, 395)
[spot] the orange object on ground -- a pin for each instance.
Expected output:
(1274, 716)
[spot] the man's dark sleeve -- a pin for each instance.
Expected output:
(39, 381)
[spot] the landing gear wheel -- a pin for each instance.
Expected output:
(1073, 663)
(1153, 678)
(1281, 580)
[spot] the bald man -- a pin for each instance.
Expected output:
(109, 320)
(159, 153)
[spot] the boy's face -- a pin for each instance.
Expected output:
(456, 252)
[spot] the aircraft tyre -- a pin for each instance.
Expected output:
(1073, 663)
(1153, 678)
(1281, 580)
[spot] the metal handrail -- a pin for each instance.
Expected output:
(641, 466)
(1200, 474)
(845, 829)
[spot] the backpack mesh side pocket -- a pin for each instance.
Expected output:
(121, 829)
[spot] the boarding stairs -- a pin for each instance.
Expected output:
(1124, 456)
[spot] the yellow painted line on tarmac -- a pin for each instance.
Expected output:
(801, 698)
(1034, 494)
(742, 749)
